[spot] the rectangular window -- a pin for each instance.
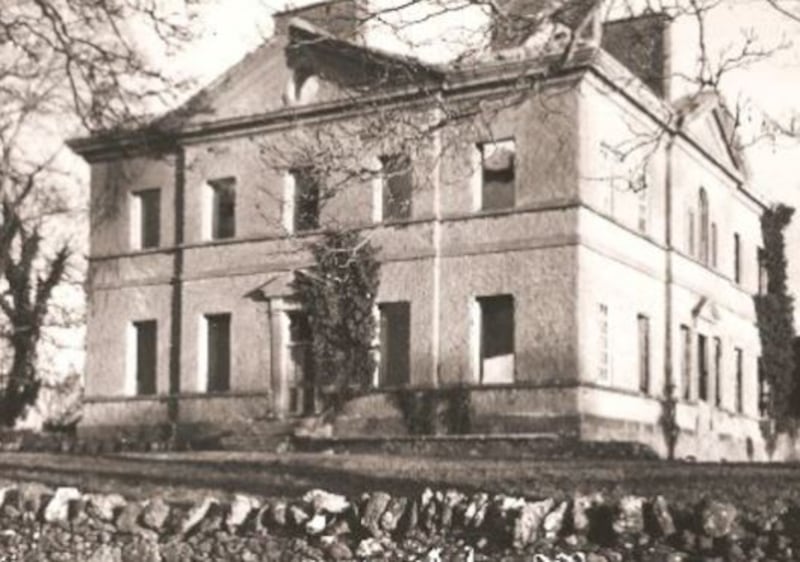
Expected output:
(690, 241)
(718, 372)
(218, 334)
(644, 353)
(686, 362)
(301, 376)
(395, 336)
(737, 258)
(306, 200)
(496, 339)
(604, 340)
(702, 367)
(739, 380)
(397, 183)
(714, 249)
(763, 279)
(764, 391)
(146, 219)
(146, 339)
(223, 208)
(498, 171)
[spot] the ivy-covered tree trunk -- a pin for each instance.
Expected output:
(774, 310)
(338, 295)
(28, 282)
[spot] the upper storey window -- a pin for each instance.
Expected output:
(146, 219)
(302, 200)
(498, 172)
(222, 208)
(704, 225)
(396, 185)
(737, 258)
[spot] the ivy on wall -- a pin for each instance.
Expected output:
(774, 310)
(338, 293)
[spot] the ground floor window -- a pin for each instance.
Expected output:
(739, 354)
(395, 343)
(718, 372)
(702, 367)
(496, 339)
(145, 340)
(644, 353)
(218, 352)
(686, 362)
(301, 376)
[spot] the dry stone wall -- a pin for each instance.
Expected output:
(42, 523)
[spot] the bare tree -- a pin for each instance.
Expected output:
(65, 67)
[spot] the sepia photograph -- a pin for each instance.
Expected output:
(419, 280)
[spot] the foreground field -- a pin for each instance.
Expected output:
(266, 474)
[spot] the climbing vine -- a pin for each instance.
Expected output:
(774, 310)
(338, 293)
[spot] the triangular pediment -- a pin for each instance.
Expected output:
(707, 310)
(707, 124)
(302, 66)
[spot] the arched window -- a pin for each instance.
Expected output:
(704, 226)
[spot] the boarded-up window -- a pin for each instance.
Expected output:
(306, 200)
(223, 208)
(146, 343)
(702, 367)
(498, 168)
(147, 218)
(395, 334)
(739, 379)
(737, 258)
(717, 372)
(686, 362)
(397, 184)
(496, 339)
(301, 377)
(644, 353)
(603, 344)
(218, 332)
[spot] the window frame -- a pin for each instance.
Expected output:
(142, 216)
(219, 229)
(481, 199)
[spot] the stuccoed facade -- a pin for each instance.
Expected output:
(609, 254)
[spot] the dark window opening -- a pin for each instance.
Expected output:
(763, 278)
(149, 218)
(737, 258)
(499, 171)
(306, 200)
(644, 353)
(303, 390)
(218, 327)
(398, 184)
(702, 367)
(146, 349)
(714, 249)
(717, 372)
(395, 335)
(739, 380)
(704, 226)
(764, 392)
(496, 339)
(223, 208)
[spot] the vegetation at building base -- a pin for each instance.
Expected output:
(775, 309)
(435, 411)
(338, 292)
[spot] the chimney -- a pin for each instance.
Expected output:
(642, 45)
(341, 18)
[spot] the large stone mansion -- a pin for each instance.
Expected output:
(585, 241)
